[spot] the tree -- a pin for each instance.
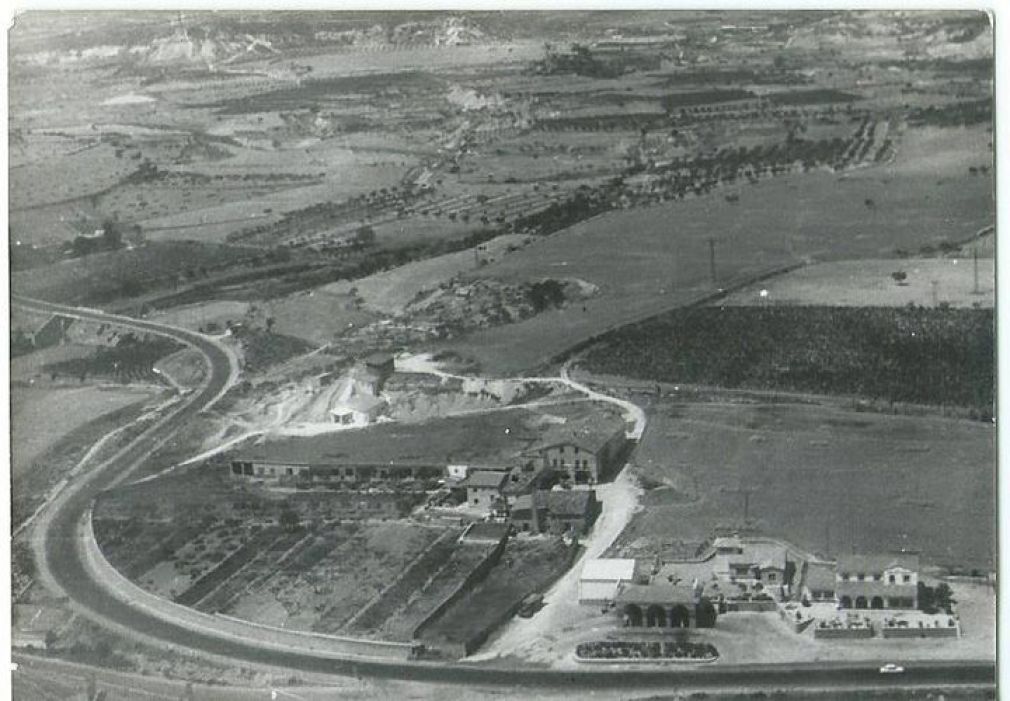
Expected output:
(899, 276)
(364, 236)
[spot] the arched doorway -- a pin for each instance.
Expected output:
(861, 602)
(877, 602)
(655, 617)
(704, 614)
(680, 617)
(846, 602)
(632, 616)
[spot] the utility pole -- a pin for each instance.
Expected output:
(974, 251)
(711, 258)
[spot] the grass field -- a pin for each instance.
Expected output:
(868, 283)
(33, 430)
(646, 259)
(41, 457)
(832, 481)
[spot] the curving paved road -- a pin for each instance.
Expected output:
(63, 558)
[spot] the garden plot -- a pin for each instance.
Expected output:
(441, 584)
(323, 582)
(526, 566)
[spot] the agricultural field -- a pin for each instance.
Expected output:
(104, 277)
(929, 356)
(662, 257)
(526, 566)
(830, 480)
(926, 282)
(41, 459)
(772, 231)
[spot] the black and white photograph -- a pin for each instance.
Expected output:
(545, 353)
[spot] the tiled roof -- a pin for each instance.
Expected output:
(590, 433)
(655, 593)
(485, 478)
(820, 577)
(870, 589)
(563, 502)
(609, 569)
(878, 562)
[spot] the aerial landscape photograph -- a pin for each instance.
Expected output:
(402, 354)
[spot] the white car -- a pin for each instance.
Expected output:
(891, 668)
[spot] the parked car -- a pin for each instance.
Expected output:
(531, 604)
(891, 668)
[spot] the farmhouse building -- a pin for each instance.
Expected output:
(583, 451)
(751, 562)
(601, 578)
(556, 511)
(484, 488)
(819, 582)
(877, 581)
(664, 605)
(326, 461)
(357, 410)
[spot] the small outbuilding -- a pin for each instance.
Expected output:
(484, 488)
(601, 578)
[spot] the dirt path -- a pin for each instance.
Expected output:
(535, 637)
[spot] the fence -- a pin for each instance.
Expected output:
(839, 633)
(953, 631)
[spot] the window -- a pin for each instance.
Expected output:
(877, 577)
(906, 578)
(290, 471)
(554, 462)
(476, 500)
(845, 576)
(771, 576)
(576, 450)
(349, 471)
(890, 579)
(860, 576)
